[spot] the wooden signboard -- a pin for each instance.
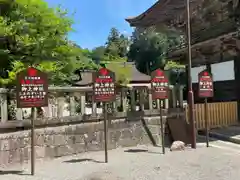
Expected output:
(205, 86)
(32, 88)
(32, 92)
(104, 87)
(104, 90)
(159, 85)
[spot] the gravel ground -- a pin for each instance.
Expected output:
(220, 162)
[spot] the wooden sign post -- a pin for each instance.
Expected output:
(205, 90)
(32, 92)
(104, 90)
(160, 87)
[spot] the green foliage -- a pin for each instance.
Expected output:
(176, 73)
(37, 35)
(148, 49)
(122, 70)
(117, 44)
(98, 54)
(173, 65)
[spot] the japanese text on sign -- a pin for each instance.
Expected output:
(159, 85)
(104, 86)
(32, 88)
(205, 84)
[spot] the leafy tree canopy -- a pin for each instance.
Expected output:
(37, 35)
(117, 44)
(149, 49)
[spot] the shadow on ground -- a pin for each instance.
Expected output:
(11, 172)
(82, 160)
(201, 137)
(143, 151)
(228, 131)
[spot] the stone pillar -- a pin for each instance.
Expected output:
(174, 98)
(19, 114)
(48, 109)
(141, 99)
(83, 104)
(180, 91)
(133, 103)
(124, 99)
(158, 103)
(166, 103)
(94, 108)
(150, 99)
(60, 106)
(72, 105)
(4, 110)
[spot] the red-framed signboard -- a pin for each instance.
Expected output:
(104, 86)
(32, 88)
(205, 84)
(159, 84)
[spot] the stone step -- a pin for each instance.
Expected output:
(232, 139)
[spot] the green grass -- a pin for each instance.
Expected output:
(123, 74)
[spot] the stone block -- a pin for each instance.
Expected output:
(93, 147)
(66, 140)
(126, 134)
(78, 139)
(4, 145)
(40, 139)
(26, 154)
(14, 156)
(114, 136)
(63, 151)
(21, 154)
(50, 151)
(153, 129)
(111, 145)
(21, 142)
(137, 132)
(78, 148)
(59, 140)
(145, 139)
(40, 152)
(4, 158)
(69, 130)
(27, 141)
(127, 142)
(121, 124)
(48, 140)
(13, 144)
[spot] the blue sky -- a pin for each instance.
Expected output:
(94, 18)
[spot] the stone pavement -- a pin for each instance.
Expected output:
(219, 162)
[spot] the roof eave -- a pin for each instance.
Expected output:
(133, 21)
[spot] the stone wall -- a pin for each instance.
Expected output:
(67, 140)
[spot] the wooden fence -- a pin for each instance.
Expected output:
(220, 114)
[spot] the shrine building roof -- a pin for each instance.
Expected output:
(161, 12)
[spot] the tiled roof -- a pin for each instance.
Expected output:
(160, 12)
(134, 75)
